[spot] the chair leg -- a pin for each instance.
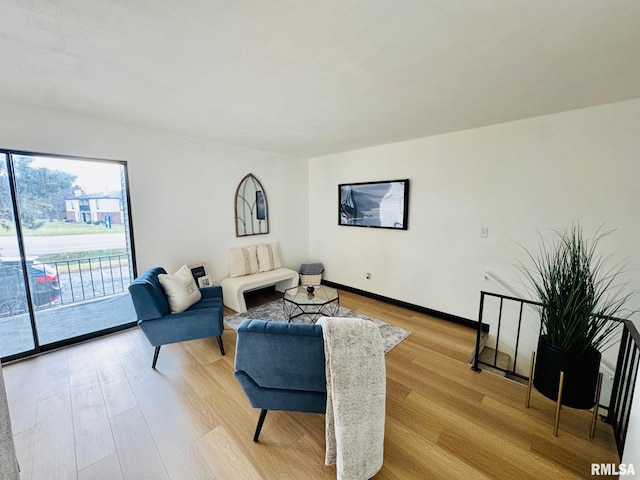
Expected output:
(219, 337)
(263, 414)
(155, 356)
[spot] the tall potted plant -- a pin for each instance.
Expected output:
(579, 293)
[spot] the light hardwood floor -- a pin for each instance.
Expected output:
(98, 411)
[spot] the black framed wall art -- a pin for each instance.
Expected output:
(383, 204)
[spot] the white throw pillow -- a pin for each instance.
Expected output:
(181, 289)
(243, 261)
(268, 257)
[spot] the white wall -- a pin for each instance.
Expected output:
(182, 189)
(514, 178)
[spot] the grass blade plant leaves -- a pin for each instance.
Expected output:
(582, 295)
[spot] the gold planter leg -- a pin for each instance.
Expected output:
(595, 407)
(530, 383)
(558, 405)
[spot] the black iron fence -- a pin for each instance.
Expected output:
(62, 282)
(87, 278)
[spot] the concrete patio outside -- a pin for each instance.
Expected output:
(65, 321)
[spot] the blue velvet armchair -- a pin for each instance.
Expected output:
(201, 320)
(280, 366)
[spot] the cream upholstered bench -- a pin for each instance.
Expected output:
(234, 288)
(252, 268)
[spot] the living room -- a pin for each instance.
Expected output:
(572, 160)
(517, 178)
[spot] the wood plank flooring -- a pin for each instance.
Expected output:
(98, 411)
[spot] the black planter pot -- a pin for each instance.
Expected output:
(580, 375)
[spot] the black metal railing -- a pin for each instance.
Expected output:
(627, 365)
(58, 283)
(512, 343)
(624, 384)
(87, 278)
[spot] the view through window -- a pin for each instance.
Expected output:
(65, 251)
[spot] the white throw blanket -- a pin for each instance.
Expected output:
(356, 394)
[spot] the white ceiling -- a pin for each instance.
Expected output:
(311, 77)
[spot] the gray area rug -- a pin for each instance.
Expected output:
(272, 312)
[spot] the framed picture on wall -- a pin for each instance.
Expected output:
(382, 204)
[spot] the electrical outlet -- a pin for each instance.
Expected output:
(484, 232)
(367, 275)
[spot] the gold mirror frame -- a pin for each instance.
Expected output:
(251, 208)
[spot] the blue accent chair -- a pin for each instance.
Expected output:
(280, 366)
(201, 320)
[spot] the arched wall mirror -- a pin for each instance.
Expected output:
(251, 208)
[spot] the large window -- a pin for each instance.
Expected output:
(66, 256)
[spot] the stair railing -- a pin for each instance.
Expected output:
(624, 384)
(519, 304)
(626, 371)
